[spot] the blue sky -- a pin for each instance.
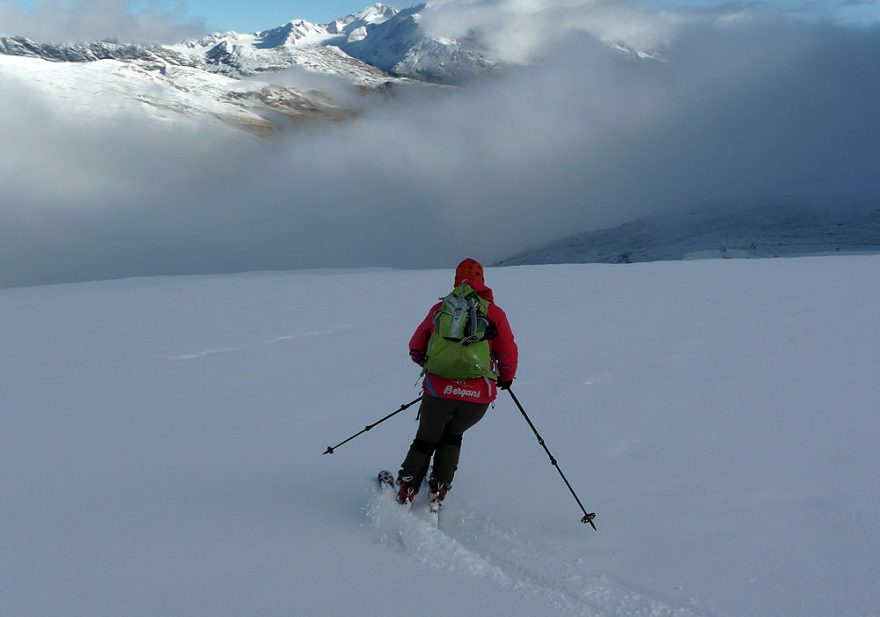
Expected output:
(235, 14)
(261, 14)
(844, 10)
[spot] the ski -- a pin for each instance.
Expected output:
(385, 479)
(434, 505)
(388, 483)
(436, 497)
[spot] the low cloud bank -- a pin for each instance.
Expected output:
(741, 111)
(519, 31)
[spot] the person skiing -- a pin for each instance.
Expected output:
(467, 350)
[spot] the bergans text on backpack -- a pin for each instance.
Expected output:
(458, 348)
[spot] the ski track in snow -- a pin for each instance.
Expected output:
(279, 339)
(470, 543)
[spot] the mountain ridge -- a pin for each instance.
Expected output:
(766, 231)
(378, 43)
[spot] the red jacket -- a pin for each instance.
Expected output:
(502, 346)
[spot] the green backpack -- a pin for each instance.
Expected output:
(457, 348)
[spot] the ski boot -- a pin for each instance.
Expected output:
(407, 489)
(437, 494)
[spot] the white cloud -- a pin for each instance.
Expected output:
(519, 31)
(55, 21)
(744, 112)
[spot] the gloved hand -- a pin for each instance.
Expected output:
(504, 384)
(418, 357)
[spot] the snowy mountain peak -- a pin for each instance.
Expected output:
(374, 14)
(400, 46)
(288, 34)
(378, 42)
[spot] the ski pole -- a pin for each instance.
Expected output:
(331, 449)
(588, 516)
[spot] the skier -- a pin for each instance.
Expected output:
(455, 399)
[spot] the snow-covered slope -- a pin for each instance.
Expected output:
(201, 79)
(96, 91)
(296, 44)
(755, 232)
(90, 52)
(161, 440)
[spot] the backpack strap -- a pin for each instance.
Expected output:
(473, 305)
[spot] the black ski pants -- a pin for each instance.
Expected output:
(442, 422)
